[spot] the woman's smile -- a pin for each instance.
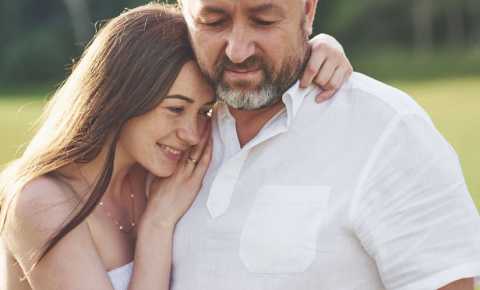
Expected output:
(171, 152)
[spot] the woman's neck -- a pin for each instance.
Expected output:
(84, 176)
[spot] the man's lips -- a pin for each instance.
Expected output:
(236, 70)
(242, 74)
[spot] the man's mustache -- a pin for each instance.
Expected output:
(251, 63)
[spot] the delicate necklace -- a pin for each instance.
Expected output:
(131, 218)
(122, 228)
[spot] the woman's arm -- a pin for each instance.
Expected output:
(168, 200)
(328, 66)
(463, 284)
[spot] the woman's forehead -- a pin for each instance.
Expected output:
(191, 83)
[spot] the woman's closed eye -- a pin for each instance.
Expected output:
(176, 110)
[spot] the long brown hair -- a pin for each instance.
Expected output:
(125, 72)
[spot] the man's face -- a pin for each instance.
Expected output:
(251, 50)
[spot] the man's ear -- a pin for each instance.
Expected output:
(310, 8)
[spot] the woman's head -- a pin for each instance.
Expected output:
(121, 79)
(159, 138)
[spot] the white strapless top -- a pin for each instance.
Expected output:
(120, 277)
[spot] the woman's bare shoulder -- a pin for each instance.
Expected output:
(37, 212)
(43, 201)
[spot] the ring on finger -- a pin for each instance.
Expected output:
(194, 161)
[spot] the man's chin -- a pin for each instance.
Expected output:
(247, 100)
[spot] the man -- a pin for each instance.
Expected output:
(360, 192)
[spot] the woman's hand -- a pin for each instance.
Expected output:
(328, 66)
(171, 197)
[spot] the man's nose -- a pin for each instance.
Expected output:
(240, 45)
(189, 132)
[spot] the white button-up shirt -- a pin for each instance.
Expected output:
(358, 193)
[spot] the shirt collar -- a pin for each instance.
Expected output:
(293, 99)
(221, 110)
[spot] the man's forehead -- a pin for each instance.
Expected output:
(196, 6)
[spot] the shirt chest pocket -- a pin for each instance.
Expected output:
(280, 233)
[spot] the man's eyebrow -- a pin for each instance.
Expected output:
(184, 98)
(266, 7)
(208, 9)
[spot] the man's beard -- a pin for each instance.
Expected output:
(268, 92)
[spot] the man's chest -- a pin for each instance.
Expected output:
(286, 226)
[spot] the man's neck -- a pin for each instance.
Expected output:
(249, 123)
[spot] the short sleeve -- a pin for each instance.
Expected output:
(412, 210)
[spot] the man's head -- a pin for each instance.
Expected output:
(251, 50)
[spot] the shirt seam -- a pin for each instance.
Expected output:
(352, 211)
(405, 109)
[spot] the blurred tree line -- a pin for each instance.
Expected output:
(40, 39)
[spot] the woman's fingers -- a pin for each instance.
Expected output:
(312, 68)
(336, 80)
(331, 85)
(326, 73)
(324, 95)
(203, 163)
(195, 155)
(328, 66)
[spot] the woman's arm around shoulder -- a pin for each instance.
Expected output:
(328, 67)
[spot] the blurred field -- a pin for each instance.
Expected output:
(17, 116)
(454, 105)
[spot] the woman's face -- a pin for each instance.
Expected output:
(160, 138)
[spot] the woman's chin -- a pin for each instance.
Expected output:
(163, 170)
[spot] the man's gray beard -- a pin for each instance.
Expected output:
(269, 92)
(249, 100)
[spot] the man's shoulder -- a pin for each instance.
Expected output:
(374, 95)
(363, 106)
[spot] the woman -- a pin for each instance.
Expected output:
(76, 208)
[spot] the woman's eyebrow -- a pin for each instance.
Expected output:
(181, 97)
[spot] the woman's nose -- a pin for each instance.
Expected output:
(190, 132)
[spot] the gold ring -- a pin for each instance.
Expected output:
(194, 161)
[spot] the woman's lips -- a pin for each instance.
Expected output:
(170, 152)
